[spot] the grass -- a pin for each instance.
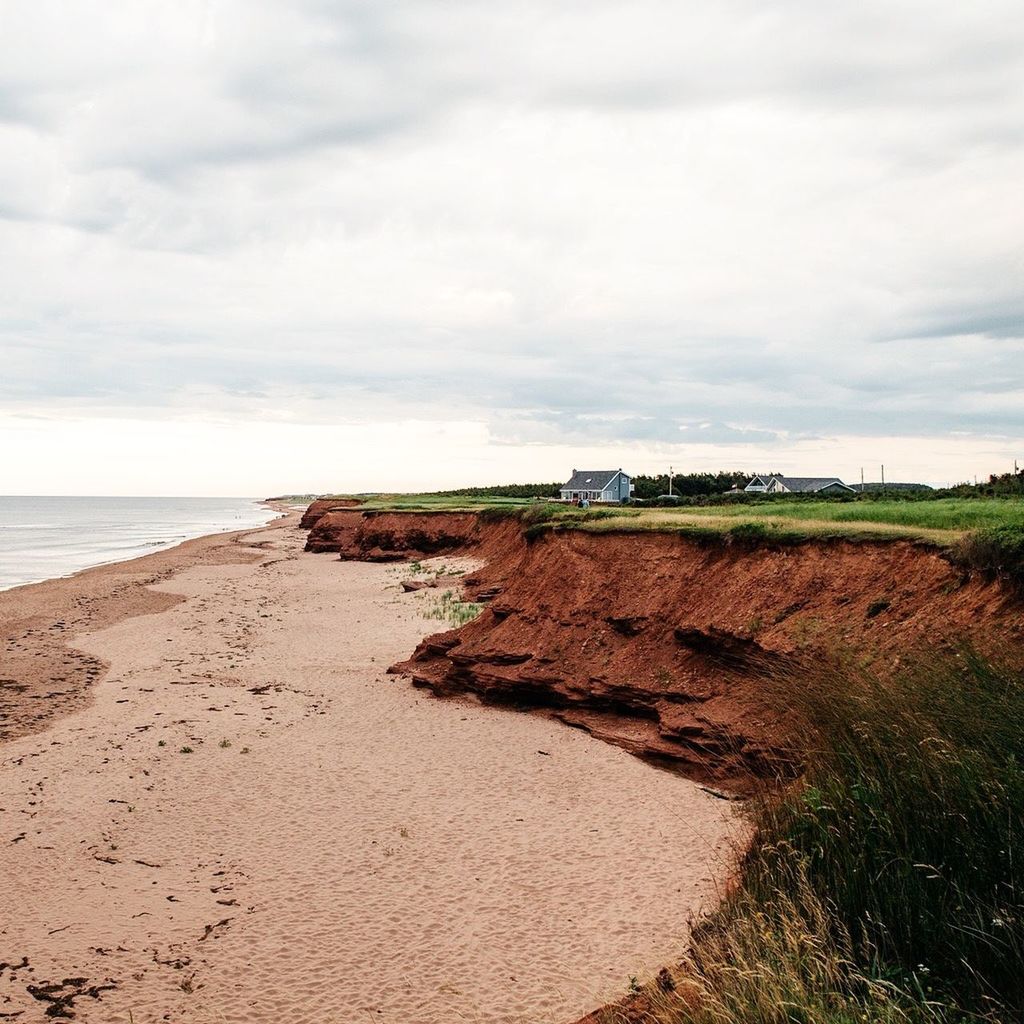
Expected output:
(448, 607)
(997, 551)
(436, 503)
(750, 530)
(888, 883)
(942, 514)
(943, 523)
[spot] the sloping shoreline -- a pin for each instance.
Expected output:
(242, 818)
(44, 675)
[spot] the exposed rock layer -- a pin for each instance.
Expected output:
(321, 506)
(378, 536)
(660, 643)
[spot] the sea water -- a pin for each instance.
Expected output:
(45, 537)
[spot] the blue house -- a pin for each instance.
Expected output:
(605, 485)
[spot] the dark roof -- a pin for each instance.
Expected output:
(590, 479)
(809, 484)
(800, 484)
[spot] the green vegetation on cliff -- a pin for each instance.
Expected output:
(943, 523)
(887, 884)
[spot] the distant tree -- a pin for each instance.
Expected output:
(877, 487)
(504, 491)
(1001, 485)
(688, 485)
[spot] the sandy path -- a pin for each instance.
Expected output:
(337, 846)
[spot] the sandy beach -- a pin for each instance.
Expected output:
(216, 806)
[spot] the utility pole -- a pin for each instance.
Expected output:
(670, 481)
(883, 480)
(861, 479)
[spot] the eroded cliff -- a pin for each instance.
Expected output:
(661, 643)
(381, 536)
(320, 507)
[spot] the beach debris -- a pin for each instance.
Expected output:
(210, 928)
(411, 585)
(61, 995)
(179, 963)
(718, 794)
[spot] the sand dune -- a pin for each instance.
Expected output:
(251, 822)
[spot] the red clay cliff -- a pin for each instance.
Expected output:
(657, 642)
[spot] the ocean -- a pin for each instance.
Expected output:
(46, 537)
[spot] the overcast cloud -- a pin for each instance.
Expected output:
(726, 233)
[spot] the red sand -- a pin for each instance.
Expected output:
(375, 854)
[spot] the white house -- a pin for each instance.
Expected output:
(776, 484)
(608, 485)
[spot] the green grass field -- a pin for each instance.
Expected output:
(942, 514)
(942, 522)
(439, 503)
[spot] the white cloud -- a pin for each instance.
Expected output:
(587, 225)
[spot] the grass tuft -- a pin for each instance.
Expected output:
(451, 609)
(888, 883)
(997, 551)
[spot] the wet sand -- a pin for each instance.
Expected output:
(241, 818)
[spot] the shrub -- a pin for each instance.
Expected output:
(749, 534)
(499, 513)
(997, 551)
(888, 883)
(910, 825)
(536, 530)
(543, 513)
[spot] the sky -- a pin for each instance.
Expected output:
(255, 246)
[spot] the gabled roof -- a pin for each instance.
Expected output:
(590, 479)
(809, 484)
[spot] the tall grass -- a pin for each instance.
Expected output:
(888, 884)
(778, 521)
(939, 514)
(997, 551)
(450, 608)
